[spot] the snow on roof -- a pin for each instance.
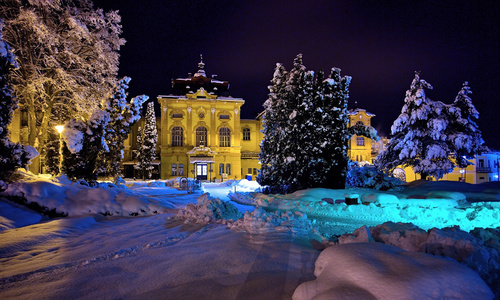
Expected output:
(358, 110)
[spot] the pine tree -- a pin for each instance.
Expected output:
(137, 153)
(12, 155)
(336, 120)
(122, 116)
(52, 156)
(147, 150)
(269, 154)
(419, 136)
(305, 130)
(463, 131)
(83, 143)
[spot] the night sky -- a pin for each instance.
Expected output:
(379, 43)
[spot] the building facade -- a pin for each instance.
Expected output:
(202, 134)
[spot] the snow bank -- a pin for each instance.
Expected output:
(208, 210)
(14, 216)
(479, 249)
(379, 271)
(76, 200)
(259, 221)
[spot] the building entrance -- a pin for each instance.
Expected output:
(201, 171)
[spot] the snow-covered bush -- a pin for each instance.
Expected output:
(208, 210)
(83, 144)
(371, 177)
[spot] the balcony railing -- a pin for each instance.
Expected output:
(483, 170)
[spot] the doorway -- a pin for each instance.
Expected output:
(201, 171)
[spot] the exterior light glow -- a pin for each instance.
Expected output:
(60, 128)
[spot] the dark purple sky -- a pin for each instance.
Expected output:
(379, 43)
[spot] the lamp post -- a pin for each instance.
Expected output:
(60, 129)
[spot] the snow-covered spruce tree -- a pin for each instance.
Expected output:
(463, 132)
(68, 57)
(269, 154)
(137, 153)
(12, 155)
(334, 160)
(83, 143)
(147, 150)
(305, 137)
(418, 137)
(52, 155)
(122, 115)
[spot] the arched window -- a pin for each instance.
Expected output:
(201, 136)
(181, 169)
(177, 136)
(360, 141)
(174, 169)
(221, 169)
(224, 137)
(228, 169)
(246, 134)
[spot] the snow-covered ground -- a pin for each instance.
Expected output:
(151, 240)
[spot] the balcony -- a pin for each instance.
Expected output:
(483, 170)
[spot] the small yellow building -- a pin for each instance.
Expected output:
(360, 147)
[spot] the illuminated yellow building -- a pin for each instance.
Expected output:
(360, 147)
(202, 134)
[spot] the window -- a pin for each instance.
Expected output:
(255, 171)
(181, 169)
(481, 163)
(224, 117)
(177, 136)
(246, 134)
(176, 115)
(221, 169)
(174, 169)
(224, 137)
(359, 123)
(249, 171)
(228, 169)
(201, 136)
(360, 141)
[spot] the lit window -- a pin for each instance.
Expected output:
(246, 134)
(174, 169)
(224, 137)
(360, 141)
(201, 136)
(177, 136)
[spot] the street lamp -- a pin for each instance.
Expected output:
(60, 129)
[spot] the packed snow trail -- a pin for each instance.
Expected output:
(149, 257)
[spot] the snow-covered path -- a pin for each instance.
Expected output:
(149, 257)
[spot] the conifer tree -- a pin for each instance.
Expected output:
(83, 143)
(305, 130)
(463, 132)
(269, 154)
(419, 136)
(123, 115)
(147, 150)
(137, 153)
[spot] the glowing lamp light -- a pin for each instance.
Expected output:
(462, 171)
(496, 176)
(60, 128)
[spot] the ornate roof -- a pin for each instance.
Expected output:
(183, 86)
